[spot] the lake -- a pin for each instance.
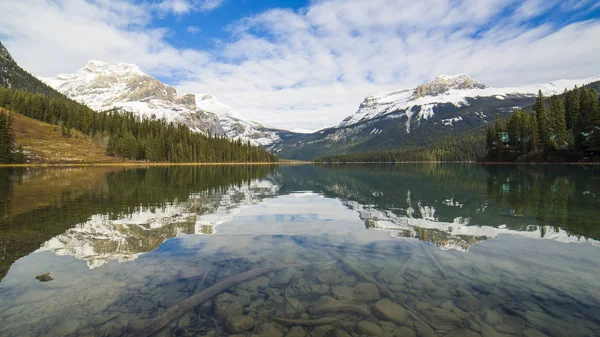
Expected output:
(301, 250)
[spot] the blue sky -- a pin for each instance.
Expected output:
(213, 25)
(308, 64)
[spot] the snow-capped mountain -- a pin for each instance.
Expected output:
(104, 86)
(444, 89)
(446, 106)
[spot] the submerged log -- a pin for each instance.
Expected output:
(201, 297)
(310, 322)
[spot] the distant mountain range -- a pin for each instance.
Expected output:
(446, 106)
(103, 86)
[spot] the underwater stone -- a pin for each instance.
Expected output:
(321, 331)
(462, 333)
(468, 303)
(239, 323)
(341, 333)
(67, 327)
(474, 326)
(268, 330)
(390, 311)
(369, 329)
(320, 289)
(282, 278)
(533, 333)
(296, 331)
(343, 293)
(404, 332)
(366, 292)
(227, 305)
(443, 319)
(424, 330)
(492, 317)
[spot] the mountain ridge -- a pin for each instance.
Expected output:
(405, 118)
(105, 86)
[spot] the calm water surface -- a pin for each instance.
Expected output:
(403, 250)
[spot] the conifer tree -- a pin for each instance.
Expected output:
(542, 121)
(558, 122)
(6, 144)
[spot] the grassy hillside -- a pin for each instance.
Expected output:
(44, 144)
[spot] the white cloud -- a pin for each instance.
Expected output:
(311, 68)
(179, 7)
(193, 29)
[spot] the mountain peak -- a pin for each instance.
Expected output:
(119, 69)
(4, 54)
(444, 83)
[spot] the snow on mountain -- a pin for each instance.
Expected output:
(233, 126)
(104, 86)
(448, 89)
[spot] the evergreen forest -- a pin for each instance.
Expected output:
(562, 128)
(126, 135)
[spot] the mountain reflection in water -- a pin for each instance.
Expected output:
(104, 234)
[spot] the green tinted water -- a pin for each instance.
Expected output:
(403, 250)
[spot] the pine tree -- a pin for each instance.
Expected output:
(5, 139)
(557, 120)
(542, 121)
(572, 108)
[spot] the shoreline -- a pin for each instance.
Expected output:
(459, 162)
(134, 164)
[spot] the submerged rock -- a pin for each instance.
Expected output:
(443, 319)
(341, 333)
(424, 330)
(47, 277)
(390, 311)
(227, 305)
(268, 330)
(492, 317)
(321, 331)
(67, 327)
(462, 333)
(369, 329)
(282, 278)
(468, 303)
(239, 323)
(404, 332)
(296, 331)
(366, 292)
(321, 289)
(343, 293)
(533, 333)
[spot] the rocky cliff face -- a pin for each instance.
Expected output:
(4, 54)
(444, 83)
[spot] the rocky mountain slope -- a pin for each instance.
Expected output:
(13, 76)
(448, 105)
(104, 86)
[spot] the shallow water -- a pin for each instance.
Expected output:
(355, 250)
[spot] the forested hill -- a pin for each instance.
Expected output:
(466, 147)
(567, 130)
(120, 133)
(563, 128)
(15, 77)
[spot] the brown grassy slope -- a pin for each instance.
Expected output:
(43, 143)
